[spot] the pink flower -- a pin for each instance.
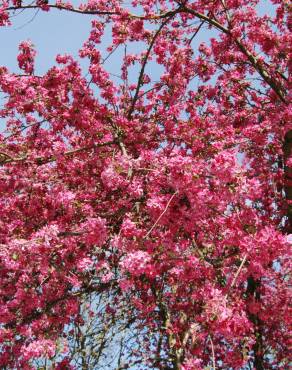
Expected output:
(39, 348)
(136, 262)
(95, 229)
(129, 228)
(26, 57)
(107, 277)
(125, 285)
(192, 364)
(84, 264)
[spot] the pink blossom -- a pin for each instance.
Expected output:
(95, 229)
(84, 263)
(154, 178)
(136, 262)
(39, 348)
(26, 57)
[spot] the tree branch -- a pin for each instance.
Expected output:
(276, 87)
(141, 75)
(42, 160)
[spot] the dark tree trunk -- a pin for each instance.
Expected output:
(287, 148)
(252, 290)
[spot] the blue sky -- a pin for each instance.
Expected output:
(54, 32)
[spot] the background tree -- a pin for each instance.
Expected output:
(150, 211)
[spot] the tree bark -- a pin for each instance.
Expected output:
(287, 148)
(252, 290)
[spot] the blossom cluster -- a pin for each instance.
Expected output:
(167, 187)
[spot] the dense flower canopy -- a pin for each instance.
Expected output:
(164, 191)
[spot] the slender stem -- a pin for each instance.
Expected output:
(161, 215)
(63, 7)
(238, 271)
(213, 353)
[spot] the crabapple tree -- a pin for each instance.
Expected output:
(145, 216)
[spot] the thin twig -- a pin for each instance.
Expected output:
(24, 128)
(159, 218)
(196, 32)
(238, 271)
(63, 7)
(30, 21)
(213, 353)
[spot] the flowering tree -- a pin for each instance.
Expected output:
(151, 211)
